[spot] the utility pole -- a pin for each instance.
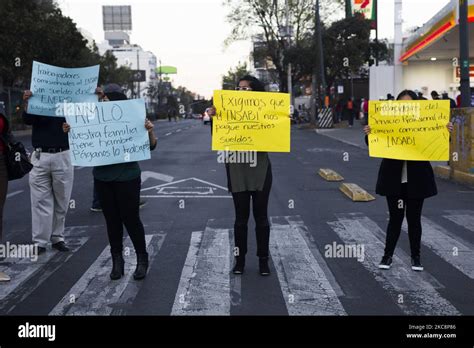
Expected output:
(288, 35)
(376, 9)
(464, 54)
(398, 69)
(348, 8)
(159, 86)
(320, 48)
(138, 68)
(314, 78)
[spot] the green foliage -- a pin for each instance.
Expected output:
(229, 81)
(268, 17)
(37, 30)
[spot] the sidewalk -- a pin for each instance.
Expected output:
(353, 136)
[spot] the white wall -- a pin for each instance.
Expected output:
(381, 81)
(433, 75)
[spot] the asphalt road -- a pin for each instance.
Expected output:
(189, 220)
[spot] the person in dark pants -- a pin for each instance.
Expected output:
(250, 183)
(5, 137)
(118, 189)
(406, 184)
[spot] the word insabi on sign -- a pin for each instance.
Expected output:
(251, 121)
(409, 130)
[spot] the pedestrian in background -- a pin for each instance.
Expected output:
(339, 109)
(51, 178)
(421, 96)
(118, 189)
(350, 111)
(406, 184)
(5, 138)
(435, 95)
(452, 102)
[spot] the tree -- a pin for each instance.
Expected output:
(37, 30)
(229, 81)
(111, 73)
(347, 50)
(268, 17)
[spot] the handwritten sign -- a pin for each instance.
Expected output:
(108, 133)
(409, 129)
(51, 86)
(251, 121)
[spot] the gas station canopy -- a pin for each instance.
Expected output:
(439, 37)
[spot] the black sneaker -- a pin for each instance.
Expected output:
(416, 264)
(61, 246)
(41, 250)
(386, 262)
(239, 265)
(142, 203)
(96, 209)
(263, 266)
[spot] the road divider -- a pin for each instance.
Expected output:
(356, 193)
(330, 175)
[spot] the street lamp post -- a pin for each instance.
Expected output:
(464, 54)
(288, 35)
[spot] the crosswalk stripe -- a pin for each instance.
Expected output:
(441, 242)
(413, 292)
(204, 287)
(27, 275)
(463, 218)
(304, 284)
(95, 294)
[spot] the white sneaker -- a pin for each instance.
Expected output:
(4, 277)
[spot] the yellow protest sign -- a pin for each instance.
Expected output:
(409, 129)
(251, 121)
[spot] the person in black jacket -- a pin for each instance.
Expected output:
(406, 184)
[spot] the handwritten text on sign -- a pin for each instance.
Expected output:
(409, 129)
(51, 86)
(108, 133)
(253, 121)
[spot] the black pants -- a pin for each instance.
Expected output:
(260, 214)
(120, 205)
(397, 207)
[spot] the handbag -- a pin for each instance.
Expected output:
(16, 159)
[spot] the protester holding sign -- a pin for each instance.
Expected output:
(118, 188)
(51, 178)
(4, 138)
(250, 182)
(406, 184)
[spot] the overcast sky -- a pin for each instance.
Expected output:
(189, 34)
